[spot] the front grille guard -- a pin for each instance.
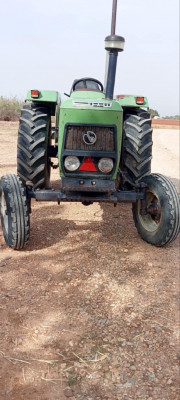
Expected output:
(89, 152)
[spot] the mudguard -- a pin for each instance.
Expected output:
(131, 101)
(51, 98)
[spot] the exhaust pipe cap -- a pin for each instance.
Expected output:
(114, 43)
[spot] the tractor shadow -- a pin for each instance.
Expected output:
(52, 224)
(47, 227)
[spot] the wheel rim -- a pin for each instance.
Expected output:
(152, 220)
(3, 211)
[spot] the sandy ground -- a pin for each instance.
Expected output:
(89, 311)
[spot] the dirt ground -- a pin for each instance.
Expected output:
(89, 311)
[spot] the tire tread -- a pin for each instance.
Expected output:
(169, 231)
(32, 149)
(137, 144)
(17, 204)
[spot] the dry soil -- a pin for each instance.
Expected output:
(89, 310)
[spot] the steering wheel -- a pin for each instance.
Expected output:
(85, 84)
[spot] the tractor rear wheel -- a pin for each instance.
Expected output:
(136, 144)
(160, 225)
(14, 211)
(33, 163)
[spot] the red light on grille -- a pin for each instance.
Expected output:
(88, 165)
(35, 93)
(139, 100)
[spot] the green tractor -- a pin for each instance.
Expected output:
(103, 147)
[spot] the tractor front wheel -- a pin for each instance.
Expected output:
(160, 225)
(14, 211)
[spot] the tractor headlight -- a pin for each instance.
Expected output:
(105, 165)
(71, 163)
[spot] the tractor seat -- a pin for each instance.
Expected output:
(89, 84)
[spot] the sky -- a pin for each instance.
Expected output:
(47, 44)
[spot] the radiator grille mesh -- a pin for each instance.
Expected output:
(104, 142)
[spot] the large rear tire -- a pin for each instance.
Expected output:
(33, 163)
(136, 144)
(161, 224)
(14, 211)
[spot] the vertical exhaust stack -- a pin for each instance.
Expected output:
(113, 44)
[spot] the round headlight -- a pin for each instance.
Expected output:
(105, 165)
(71, 163)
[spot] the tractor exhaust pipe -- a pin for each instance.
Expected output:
(113, 44)
(113, 21)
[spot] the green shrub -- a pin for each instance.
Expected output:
(10, 109)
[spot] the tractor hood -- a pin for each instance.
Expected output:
(90, 110)
(88, 100)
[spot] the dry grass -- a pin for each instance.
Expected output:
(10, 109)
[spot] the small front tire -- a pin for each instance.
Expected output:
(161, 224)
(14, 212)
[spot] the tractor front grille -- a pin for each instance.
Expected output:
(105, 138)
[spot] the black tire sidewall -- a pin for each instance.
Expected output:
(7, 235)
(159, 236)
(17, 206)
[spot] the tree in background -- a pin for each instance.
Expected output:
(10, 109)
(153, 113)
(176, 117)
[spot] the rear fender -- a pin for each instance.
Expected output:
(131, 101)
(48, 98)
